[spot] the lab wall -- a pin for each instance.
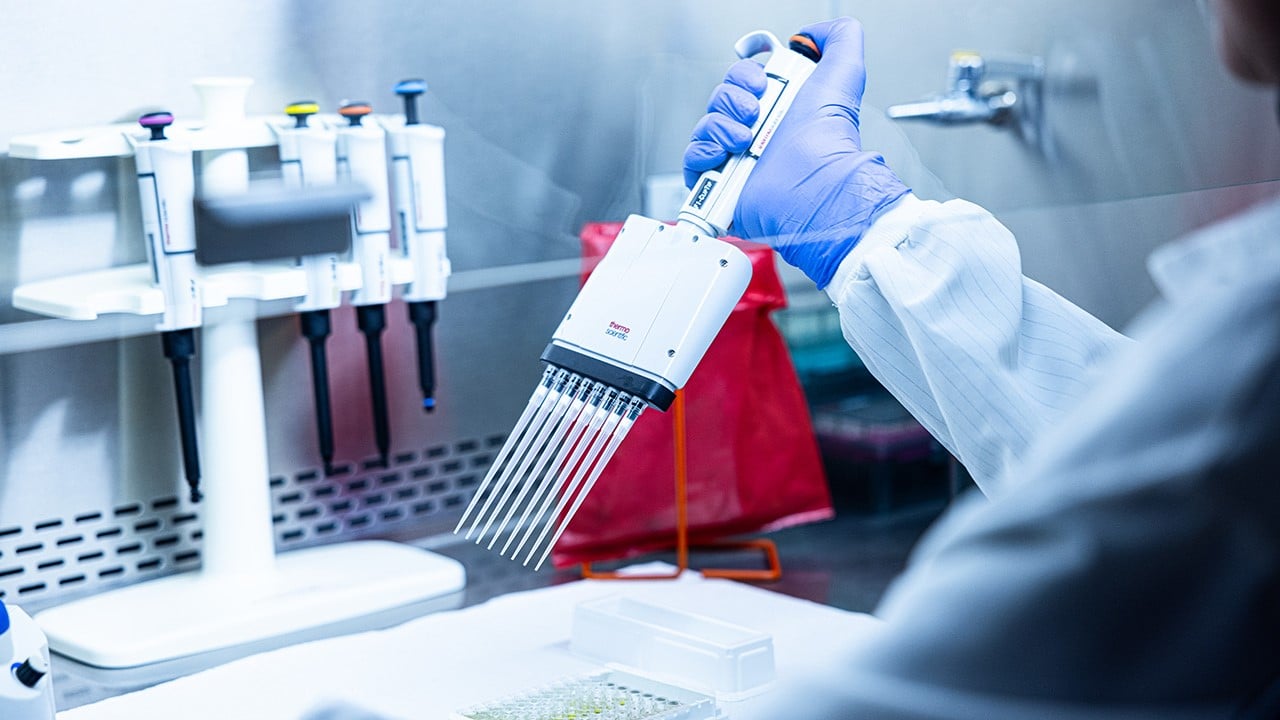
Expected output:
(556, 114)
(1136, 109)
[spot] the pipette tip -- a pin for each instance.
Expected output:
(429, 404)
(196, 495)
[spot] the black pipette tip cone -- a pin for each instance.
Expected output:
(180, 347)
(316, 328)
(422, 314)
(372, 320)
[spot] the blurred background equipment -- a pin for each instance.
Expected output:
(26, 687)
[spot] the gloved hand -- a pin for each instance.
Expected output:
(815, 191)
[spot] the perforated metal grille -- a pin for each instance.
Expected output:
(420, 494)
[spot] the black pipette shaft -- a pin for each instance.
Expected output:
(372, 320)
(423, 316)
(316, 328)
(180, 347)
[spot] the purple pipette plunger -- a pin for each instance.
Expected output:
(156, 122)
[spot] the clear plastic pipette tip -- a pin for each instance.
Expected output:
(597, 445)
(539, 417)
(585, 427)
(556, 407)
(548, 378)
(571, 404)
(569, 430)
(617, 435)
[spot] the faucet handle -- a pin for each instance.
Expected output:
(966, 72)
(1001, 92)
(969, 69)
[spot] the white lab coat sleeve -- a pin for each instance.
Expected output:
(934, 301)
(1135, 575)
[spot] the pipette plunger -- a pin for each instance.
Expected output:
(410, 90)
(311, 167)
(362, 158)
(422, 313)
(354, 111)
(179, 343)
(156, 122)
(301, 111)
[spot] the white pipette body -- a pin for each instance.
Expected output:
(418, 199)
(308, 158)
(362, 158)
(166, 187)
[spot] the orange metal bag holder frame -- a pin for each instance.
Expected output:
(772, 572)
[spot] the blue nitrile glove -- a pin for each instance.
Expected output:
(815, 191)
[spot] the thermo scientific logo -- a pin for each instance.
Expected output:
(704, 192)
(619, 331)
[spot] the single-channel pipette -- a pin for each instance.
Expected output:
(362, 158)
(418, 195)
(308, 158)
(635, 333)
(166, 187)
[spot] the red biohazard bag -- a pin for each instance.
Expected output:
(753, 462)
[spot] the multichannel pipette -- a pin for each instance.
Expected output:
(308, 158)
(633, 336)
(166, 186)
(362, 158)
(417, 160)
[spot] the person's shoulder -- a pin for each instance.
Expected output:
(1242, 248)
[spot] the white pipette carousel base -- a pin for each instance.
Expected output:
(245, 598)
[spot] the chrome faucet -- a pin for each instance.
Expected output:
(1004, 93)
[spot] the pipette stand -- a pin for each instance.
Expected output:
(244, 596)
(773, 566)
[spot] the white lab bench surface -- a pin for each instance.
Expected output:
(431, 666)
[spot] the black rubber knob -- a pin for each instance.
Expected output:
(29, 672)
(156, 122)
(804, 44)
(410, 90)
(354, 111)
(302, 110)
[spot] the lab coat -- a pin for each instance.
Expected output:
(1126, 560)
